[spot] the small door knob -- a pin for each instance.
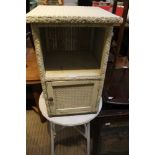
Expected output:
(50, 99)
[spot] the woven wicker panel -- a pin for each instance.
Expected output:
(73, 61)
(68, 48)
(73, 96)
(99, 43)
(66, 38)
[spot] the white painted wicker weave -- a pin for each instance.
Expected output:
(72, 47)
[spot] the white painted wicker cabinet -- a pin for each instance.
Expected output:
(72, 47)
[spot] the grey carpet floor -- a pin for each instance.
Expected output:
(68, 141)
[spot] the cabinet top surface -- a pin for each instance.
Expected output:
(71, 15)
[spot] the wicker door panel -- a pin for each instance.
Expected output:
(73, 96)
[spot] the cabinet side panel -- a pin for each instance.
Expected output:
(94, 104)
(39, 55)
(106, 48)
(36, 38)
(104, 60)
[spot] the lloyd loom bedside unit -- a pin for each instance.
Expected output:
(72, 46)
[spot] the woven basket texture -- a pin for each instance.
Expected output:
(72, 97)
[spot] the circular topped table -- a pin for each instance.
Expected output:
(72, 120)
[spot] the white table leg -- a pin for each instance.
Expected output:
(87, 133)
(53, 134)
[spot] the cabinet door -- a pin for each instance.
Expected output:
(70, 97)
